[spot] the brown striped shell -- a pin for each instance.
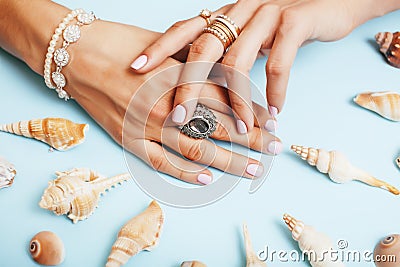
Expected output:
(60, 134)
(389, 44)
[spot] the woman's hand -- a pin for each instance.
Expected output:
(280, 25)
(100, 80)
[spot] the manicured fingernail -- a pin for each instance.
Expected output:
(255, 170)
(139, 62)
(275, 147)
(241, 127)
(271, 125)
(204, 178)
(179, 114)
(273, 111)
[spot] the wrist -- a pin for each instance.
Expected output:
(364, 10)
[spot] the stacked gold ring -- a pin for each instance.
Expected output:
(225, 29)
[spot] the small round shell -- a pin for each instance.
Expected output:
(387, 252)
(46, 248)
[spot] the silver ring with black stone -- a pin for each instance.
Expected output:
(202, 125)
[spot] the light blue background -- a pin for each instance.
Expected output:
(319, 112)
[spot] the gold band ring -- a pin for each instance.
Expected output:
(206, 14)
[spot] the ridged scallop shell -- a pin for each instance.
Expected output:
(193, 264)
(77, 192)
(386, 104)
(47, 248)
(61, 134)
(140, 233)
(389, 44)
(7, 173)
(338, 167)
(251, 258)
(312, 241)
(388, 251)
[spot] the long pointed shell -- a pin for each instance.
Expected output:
(61, 134)
(338, 167)
(386, 104)
(389, 44)
(77, 193)
(193, 264)
(140, 233)
(7, 173)
(315, 243)
(251, 258)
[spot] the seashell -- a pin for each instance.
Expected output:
(77, 192)
(312, 243)
(47, 248)
(140, 233)
(251, 257)
(60, 134)
(389, 44)
(398, 161)
(193, 264)
(7, 173)
(387, 252)
(338, 167)
(386, 104)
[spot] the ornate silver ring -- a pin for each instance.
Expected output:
(202, 125)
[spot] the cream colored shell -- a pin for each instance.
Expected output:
(338, 167)
(77, 192)
(251, 258)
(193, 264)
(47, 248)
(140, 233)
(61, 134)
(386, 104)
(7, 173)
(314, 242)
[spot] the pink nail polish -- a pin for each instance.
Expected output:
(275, 147)
(139, 62)
(204, 179)
(271, 125)
(273, 111)
(241, 127)
(255, 170)
(179, 114)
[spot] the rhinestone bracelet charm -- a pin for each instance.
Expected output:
(71, 34)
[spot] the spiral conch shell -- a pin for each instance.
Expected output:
(47, 248)
(193, 264)
(7, 173)
(140, 233)
(315, 244)
(251, 258)
(60, 134)
(389, 44)
(386, 104)
(338, 167)
(387, 251)
(77, 192)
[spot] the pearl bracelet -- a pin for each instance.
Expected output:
(71, 34)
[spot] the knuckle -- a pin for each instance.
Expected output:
(290, 18)
(269, 8)
(255, 139)
(198, 47)
(221, 132)
(195, 151)
(158, 162)
(275, 68)
(235, 62)
(178, 26)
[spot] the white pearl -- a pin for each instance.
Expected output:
(58, 31)
(55, 37)
(62, 25)
(49, 55)
(48, 61)
(70, 16)
(53, 42)
(47, 73)
(50, 49)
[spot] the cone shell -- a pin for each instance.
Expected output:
(77, 192)
(140, 233)
(386, 104)
(193, 264)
(251, 258)
(47, 248)
(389, 44)
(7, 173)
(60, 134)
(388, 249)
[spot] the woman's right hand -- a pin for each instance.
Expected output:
(100, 80)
